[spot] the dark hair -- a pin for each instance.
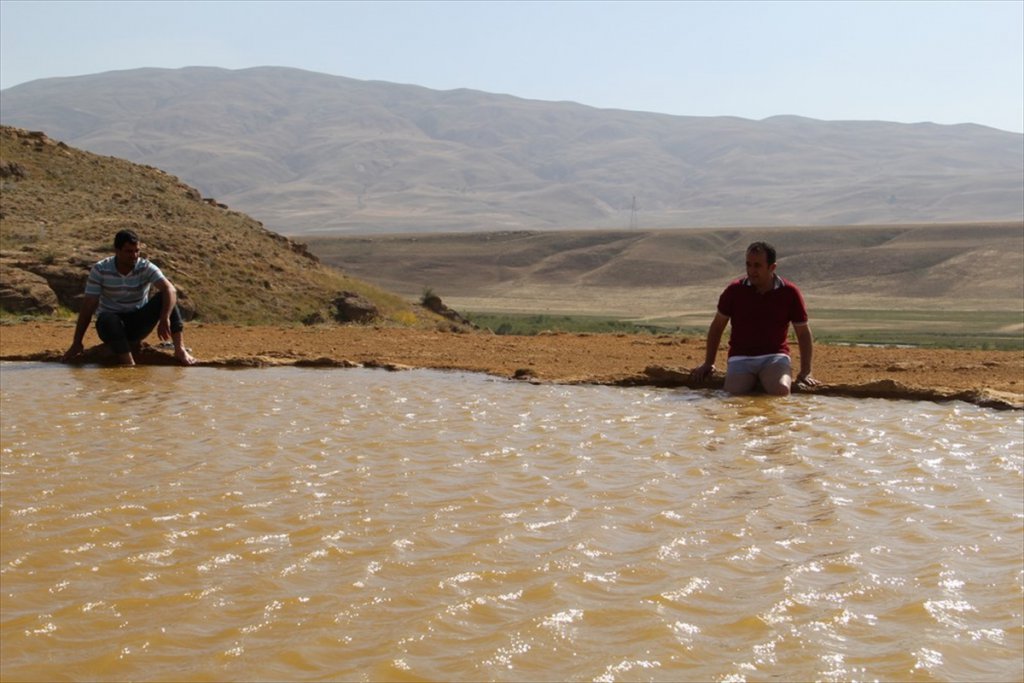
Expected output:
(124, 237)
(763, 248)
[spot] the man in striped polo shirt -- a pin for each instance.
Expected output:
(761, 308)
(119, 288)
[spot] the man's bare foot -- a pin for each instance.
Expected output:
(184, 357)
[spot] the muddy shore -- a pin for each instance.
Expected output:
(988, 378)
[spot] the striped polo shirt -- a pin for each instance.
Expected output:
(121, 293)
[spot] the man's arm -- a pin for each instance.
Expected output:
(806, 341)
(715, 331)
(89, 305)
(170, 299)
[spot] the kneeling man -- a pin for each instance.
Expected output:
(119, 287)
(761, 307)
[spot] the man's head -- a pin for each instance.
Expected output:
(126, 249)
(761, 265)
(763, 248)
(125, 237)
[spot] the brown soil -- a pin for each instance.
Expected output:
(989, 378)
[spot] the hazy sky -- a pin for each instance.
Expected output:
(947, 62)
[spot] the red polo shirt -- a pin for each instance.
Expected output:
(760, 322)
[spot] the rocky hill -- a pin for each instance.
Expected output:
(59, 210)
(312, 153)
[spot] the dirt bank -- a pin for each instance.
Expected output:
(990, 378)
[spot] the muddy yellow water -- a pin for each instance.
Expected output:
(300, 524)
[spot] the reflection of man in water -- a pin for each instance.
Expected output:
(761, 307)
(119, 286)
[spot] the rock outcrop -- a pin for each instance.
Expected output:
(353, 308)
(12, 169)
(25, 292)
(432, 302)
(36, 282)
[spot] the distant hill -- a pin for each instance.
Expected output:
(309, 153)
(60, 208)
(666, 273)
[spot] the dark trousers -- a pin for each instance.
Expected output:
(122, 330)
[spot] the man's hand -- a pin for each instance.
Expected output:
(76, 349)
(702, 372)
(163, 329)
(804, 379)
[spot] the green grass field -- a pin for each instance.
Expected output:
(530, 324)
(1001, 330)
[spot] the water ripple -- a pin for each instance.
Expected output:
(307, 524)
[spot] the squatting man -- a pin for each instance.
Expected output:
(761, 307)
(119, 287)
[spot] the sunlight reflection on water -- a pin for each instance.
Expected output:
(163, 523)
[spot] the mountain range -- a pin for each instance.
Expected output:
(308, 153)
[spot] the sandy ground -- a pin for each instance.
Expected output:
(988, 378)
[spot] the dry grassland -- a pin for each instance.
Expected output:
(899, 281)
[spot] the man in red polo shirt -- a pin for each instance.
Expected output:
(761, 307)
